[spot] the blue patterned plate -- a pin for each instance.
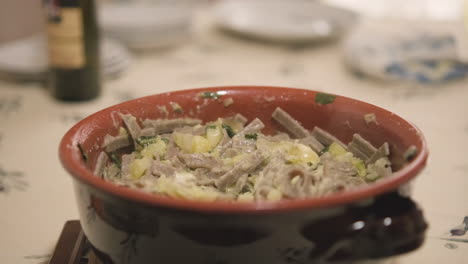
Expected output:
(404, 51)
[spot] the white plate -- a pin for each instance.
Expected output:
(142, 26)
(126, 16)
(283, 21)
(26, 59)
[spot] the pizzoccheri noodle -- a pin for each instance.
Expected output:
(231, 159)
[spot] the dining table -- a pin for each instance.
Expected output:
(36, 193)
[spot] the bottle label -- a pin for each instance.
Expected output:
(65, 36)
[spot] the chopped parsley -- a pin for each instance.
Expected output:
(211, 127)
(325, 149)
(229, 130)
(166, 140)
(176, 108)
(84, 156)
(248, 187)
(146, 140)
(251, 136)
(116, 160)
(210, 95)
(323, 98)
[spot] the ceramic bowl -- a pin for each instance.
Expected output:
(368, 224)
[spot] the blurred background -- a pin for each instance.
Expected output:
(28, 17)
(408, 56)
(420, 41)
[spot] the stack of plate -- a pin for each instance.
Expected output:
(146, 26)
(295, 21)
(26, 59)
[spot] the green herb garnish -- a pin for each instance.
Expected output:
(116, 160)
(145, 141)
(325, 149)
(323, 98)
(229, 130)
(211, 127)
(248, 187)
(251, 136)
(166, 140)
(176, 108)
(210, 95)
(84, 156)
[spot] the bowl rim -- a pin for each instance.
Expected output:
(73, 164)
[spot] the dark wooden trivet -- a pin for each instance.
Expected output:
(73, 247)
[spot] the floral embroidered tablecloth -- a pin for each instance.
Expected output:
(36, 196)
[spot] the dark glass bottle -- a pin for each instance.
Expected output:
(73, 46)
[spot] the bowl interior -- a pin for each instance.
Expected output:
(343, 117)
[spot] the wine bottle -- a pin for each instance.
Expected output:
(73, 49)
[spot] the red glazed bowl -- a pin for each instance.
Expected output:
(370, 223)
